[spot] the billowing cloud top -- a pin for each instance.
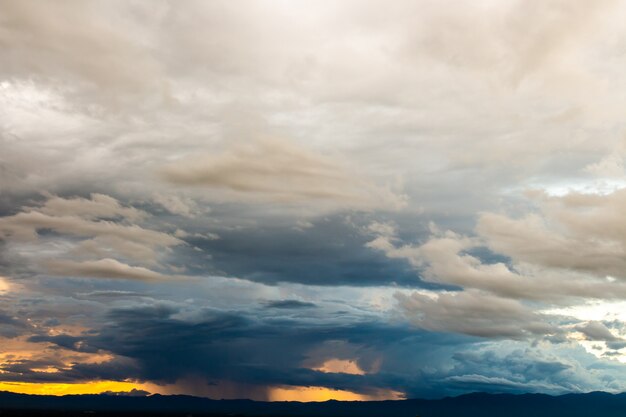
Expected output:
(312, 199)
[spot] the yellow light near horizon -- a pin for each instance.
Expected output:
(92, 387)
(301, 394)
(309, 394)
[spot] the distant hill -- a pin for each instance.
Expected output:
(471, 405)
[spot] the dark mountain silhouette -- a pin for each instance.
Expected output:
(470, 405)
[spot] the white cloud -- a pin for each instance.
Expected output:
(182, 206)
(444, 259)
(579, 232)
(474, 313)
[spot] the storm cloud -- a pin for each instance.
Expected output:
(365, 199)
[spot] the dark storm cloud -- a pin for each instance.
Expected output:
(110, 294)
(150, 343)
(289, 304)
(219, 345)
(617, 345)
(11, 326)
(331, 251)
(521, 370)
(64, 341)
(157, 343)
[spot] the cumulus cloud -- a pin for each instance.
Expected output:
(474, 313)
(446, 258)
(98, 227)
(176, 205)
(25, 226)
(491, 282)
(579, 232)
(98, 206)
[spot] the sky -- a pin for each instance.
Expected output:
(305, 200)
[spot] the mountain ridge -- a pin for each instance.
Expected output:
(477, 404)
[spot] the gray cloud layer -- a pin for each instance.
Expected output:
(240, 193)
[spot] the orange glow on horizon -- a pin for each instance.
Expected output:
(301, 394)
(310, 394)
(91, 387)
(19, 349)
(286, 393)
